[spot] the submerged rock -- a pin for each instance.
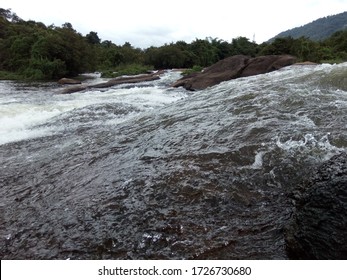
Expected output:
(66, 81)
(128, 80)
(234, 67)
(318, 229)
(116, 81)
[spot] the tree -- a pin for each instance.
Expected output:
(204, 51)
(45, 69)
(8, 15)
(20, 52)
(337, 43)
(93, 38)
(35, 51)
(73, 50)
(67, 25)
(113, 57)
(242, 45)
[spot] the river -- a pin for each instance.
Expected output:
(153, 172)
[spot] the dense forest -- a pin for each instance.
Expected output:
(319, 29)
(31, 50)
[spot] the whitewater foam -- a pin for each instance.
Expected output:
(258, 160)
(310, 144)
(28, 115)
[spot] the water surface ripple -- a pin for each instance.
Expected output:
(151, 172)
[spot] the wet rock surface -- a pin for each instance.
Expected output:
(116, 81)
(319, 225)
(234, 67)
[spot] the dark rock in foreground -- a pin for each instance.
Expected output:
(234, 67)
(318, 229)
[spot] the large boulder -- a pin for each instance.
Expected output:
(318, 229)
(224, 70)
(265, 64)
(234, 67)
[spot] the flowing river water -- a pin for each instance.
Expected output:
(153, 172)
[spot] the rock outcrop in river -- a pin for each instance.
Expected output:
(67, 81)
(234, 67)
(319, 225)
(229, 68)
(116, 81)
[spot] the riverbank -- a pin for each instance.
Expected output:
(10, 76)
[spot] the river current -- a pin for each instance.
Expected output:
(153, 172)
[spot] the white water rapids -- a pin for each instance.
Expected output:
(152, 172)
(26, 109)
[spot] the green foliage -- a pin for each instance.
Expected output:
(111, 56)
(168, 57)
(317, 30)
(5, 75)
(338, 44)
(127, 69)
(44, 69)
(37, 52)
(194, 69)
(332, 49)
(93, 38)
(206, 53)
(242, 45)
(8, 15)
(279, 46)
(31, 50)
(19, 51)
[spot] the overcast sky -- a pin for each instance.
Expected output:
(146, 23)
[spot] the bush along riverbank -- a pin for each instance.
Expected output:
(30, 50)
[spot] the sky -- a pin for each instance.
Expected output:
(145, 23)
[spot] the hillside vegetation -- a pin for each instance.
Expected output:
(31, 50)
(319, 29)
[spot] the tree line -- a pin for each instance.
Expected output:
(32, 50)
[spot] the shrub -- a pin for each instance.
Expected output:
(44, 69)
(194, 69)
(127, 69)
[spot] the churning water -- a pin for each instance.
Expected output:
(152, 172)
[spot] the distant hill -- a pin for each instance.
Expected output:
(317, 30)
